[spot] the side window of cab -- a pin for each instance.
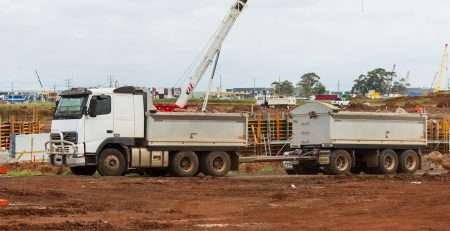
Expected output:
(103, 105)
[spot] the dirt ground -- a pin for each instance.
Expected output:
(231, 203)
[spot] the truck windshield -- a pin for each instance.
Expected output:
(70, 107)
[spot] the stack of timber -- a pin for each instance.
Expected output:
(17, 127)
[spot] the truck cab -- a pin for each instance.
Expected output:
(87, 120)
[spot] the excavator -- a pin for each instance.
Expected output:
(212, 52)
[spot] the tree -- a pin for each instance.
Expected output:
(378, 80)
(310, 85)
(285, 88)
(399, 87)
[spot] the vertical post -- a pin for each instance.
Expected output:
(31, 148)
(12, 148)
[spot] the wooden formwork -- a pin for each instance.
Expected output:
(438, 135)
(11, 127)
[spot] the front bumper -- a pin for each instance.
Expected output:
(65, 153)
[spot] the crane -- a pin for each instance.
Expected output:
(44, 92)
(437, 86)
(211, 52)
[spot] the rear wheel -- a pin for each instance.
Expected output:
(388, 162)
(340, 163)
(84, 170)
(111, 163)
(184, 164)
(408, 161)
(216, 164)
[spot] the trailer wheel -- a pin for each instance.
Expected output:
(388, 162)
(111, 163)
(184, 164)
(84, 170)
(215, 164)
(408, 161)
(340, 163)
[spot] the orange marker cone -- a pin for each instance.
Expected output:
(4, 203)
(3, 170)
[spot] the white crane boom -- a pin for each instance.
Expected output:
(438, 85)
(211, 52)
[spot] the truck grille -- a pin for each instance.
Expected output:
(67, 136)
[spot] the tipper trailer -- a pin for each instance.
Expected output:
(118, 130)
(338, 142)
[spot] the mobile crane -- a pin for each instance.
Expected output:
(208, 58)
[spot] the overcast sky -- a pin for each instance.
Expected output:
(153, 42)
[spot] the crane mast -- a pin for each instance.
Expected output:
(211, 52)
(442, 72)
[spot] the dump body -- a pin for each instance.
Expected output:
(182, 129)
(322, 125)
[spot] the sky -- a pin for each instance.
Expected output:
(156, 43)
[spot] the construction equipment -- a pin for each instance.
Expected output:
(211, 52)
(440, 80)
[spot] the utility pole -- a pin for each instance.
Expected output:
(110, 81)
(12, 87)
(68, 83)
(254, 87)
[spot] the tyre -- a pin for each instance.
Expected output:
(184, 164)
(111, 163)
(340, 163)
(84, 170)
(388, 162)
(215, 164)
(408, 161)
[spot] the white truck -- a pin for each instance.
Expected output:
(116, 131)
(327, 138)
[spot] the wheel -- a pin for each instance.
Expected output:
(340, 163)
(388, 162)
(215, 164)
(111, 163)
(156, 172)
(184, 164)
(408, 161)
(84, 170)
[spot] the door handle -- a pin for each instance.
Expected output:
(109, 131)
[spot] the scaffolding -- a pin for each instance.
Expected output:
(438, 135)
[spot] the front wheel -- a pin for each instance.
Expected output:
(84, 170)
(111, 163)
(340, 163)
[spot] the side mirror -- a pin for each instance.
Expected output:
(92, 107)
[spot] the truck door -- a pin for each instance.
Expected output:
(99, 124)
